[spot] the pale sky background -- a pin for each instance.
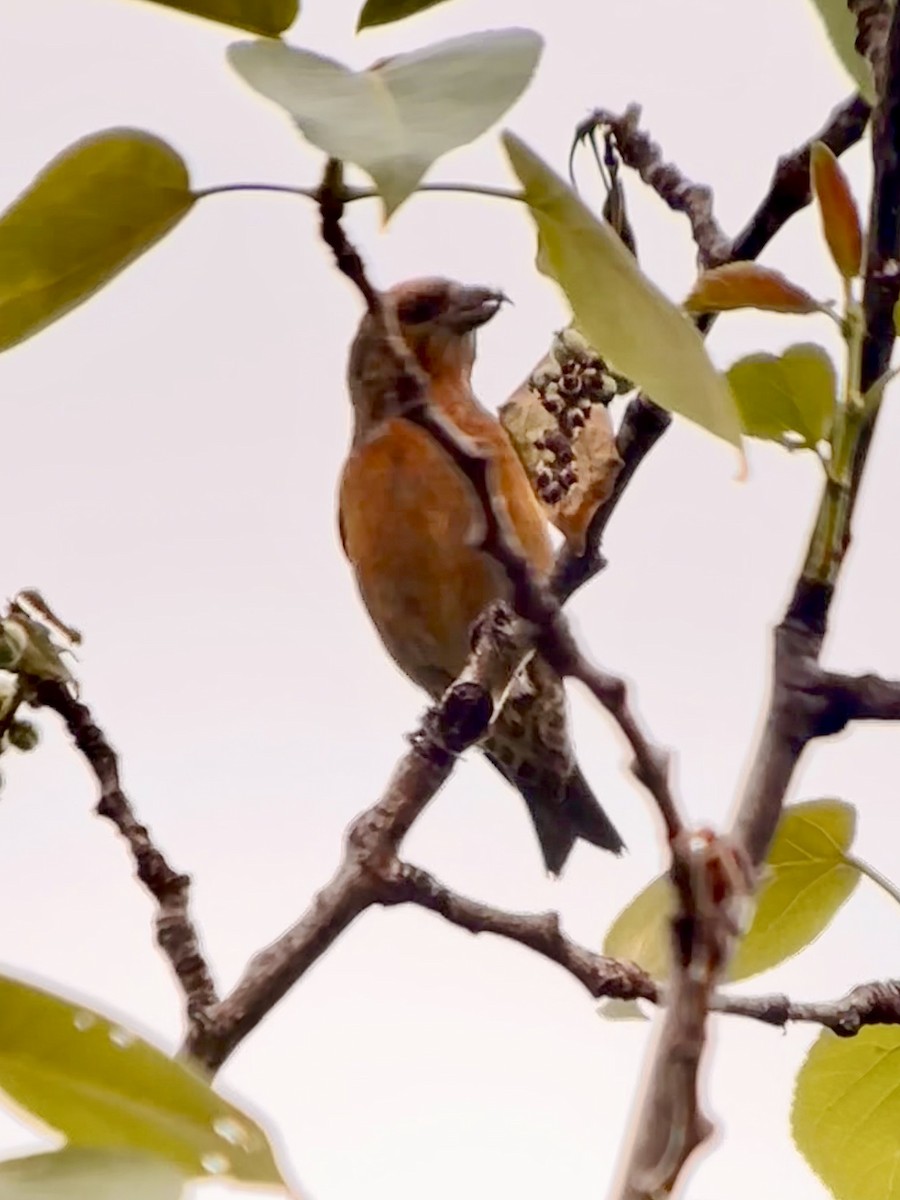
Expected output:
(171, 455)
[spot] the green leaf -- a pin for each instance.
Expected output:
(398, 117)
(624, 316)
(267, 17)
(807, 880)
(791, 393)
(92, 211)
(383, 12)
(840, 25)
(846, 1113)
(75, 1173)
(101, 1086)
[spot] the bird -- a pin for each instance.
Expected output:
(406, 514)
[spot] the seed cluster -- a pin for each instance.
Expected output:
(569, 384)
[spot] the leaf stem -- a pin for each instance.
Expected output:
(351, 193)
(831, 535)
(875, 875)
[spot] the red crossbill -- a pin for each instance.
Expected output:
(406, 516)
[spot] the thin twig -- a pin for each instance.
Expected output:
(175, 930)
(643, 155)
(867, 1004)
(651, 764)
(600, 975)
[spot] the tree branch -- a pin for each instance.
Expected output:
(644, 422)
(873, 19)
(370, 871)
(371, 843)
(805, 701)
(790, 191)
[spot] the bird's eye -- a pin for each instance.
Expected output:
(419, 309)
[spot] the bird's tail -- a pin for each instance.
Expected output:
(563, 809)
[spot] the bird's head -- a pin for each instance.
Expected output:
(437, 319)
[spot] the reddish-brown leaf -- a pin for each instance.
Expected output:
(748, 285)
(840, 218)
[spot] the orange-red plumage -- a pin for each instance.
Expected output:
(406, 516)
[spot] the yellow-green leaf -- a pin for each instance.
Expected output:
(840, 218)
(383, 12)
(92, 211)
(840, 25)
(102, 1086)
(748, 285)
(807, 880)
(75, 1173)
(624, 316)
(266, 17)
(398, 117)
(846, 1113)
(640, 933)
(791, 393)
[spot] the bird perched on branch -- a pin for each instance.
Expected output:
(406, 517)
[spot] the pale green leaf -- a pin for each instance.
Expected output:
(398, 117)
(76, 1173)
(101, 1086)
(267, 17)
(807, 880)
(620, 1010)
(624, 316)
(92, 211)
(840, 25)
(383, 12)
(791, 393)
(846, 1113)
